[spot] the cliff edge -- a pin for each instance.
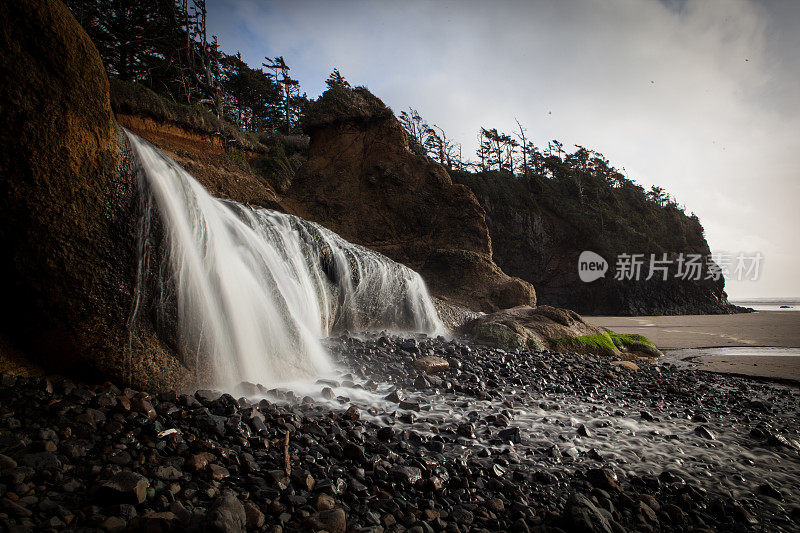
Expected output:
(362, 181)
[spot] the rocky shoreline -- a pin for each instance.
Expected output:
(413, 434)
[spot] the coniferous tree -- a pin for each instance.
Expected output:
(336, 80)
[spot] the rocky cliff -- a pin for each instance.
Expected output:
(81, 297)
(538, 236)
(69, 212)
(362, 181)
(82, 252)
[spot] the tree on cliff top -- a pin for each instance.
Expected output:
(164, 46)
(336, 80)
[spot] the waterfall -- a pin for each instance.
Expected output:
(256, 289)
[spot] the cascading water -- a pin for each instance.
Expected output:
(257, 289)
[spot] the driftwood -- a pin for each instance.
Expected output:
(286, 464)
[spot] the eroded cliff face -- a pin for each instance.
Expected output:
(543, 247)
(69, 211)
(362, 181)
(224, 172)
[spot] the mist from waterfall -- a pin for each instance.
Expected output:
(256, 289)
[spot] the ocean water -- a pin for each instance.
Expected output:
(683, 354)
(769, 304)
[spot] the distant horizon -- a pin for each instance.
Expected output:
(766, 298)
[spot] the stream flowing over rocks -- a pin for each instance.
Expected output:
(414, 434)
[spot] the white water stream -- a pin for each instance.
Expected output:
(257, 289)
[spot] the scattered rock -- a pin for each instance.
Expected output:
(704, 432)
(431, 364)
(255, 518)
(333, 520)
(582, 516)
(603, 479)
(125, 487)
(768, 490)
(227, 514)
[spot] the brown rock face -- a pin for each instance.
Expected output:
(68, 209)
(528, 327)
(206, 159)
(551, 328)
(362, 181)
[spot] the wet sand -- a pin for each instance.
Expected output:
(769, 367)
(763, 328)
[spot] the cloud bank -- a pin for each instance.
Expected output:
(698, 97)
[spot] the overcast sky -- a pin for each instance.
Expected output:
(699, 97)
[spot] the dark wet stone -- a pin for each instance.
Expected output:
(328, 393)
(41, 461)
(168, 473)
(227, 514)
(421, 382)
(581, 515)
(353, 452)
(704, 432)
(333, 520)
(776, 439)
(218, 472)
(254, 517)
(594, 454)
(125, 487)
(395, 396)
(207, 397)
(142, 405)
(741, 514)
(410, 406)
(156, 521)
(385, 433)
(466, 430)
(511, 435)
(407, 474)
(768, 490)
(14, 508)
(7, 463)
(409, 345)
(603, 479)
(462, 516)
(676, 515)
(435, 446)
(668, 476)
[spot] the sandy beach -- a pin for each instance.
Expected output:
(684, 337)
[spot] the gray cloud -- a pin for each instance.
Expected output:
(699, 97)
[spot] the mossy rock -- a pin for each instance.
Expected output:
(632, 342)
(601, 344)
(556, 329)
(611, 344)
(499, 336)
